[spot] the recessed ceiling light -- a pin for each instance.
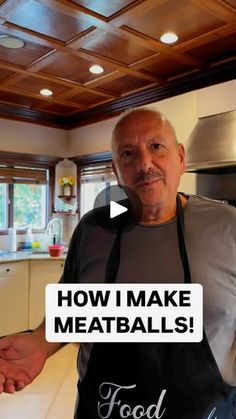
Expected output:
(46, 92)
(169, 38)
(12, 42)
(96, 69)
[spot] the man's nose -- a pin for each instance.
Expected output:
(144, 160)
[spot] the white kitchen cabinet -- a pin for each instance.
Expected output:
(42, 272)
(14, 293)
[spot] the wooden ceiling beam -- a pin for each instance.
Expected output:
(60, 46)
(121, 18)
(217, 8)
(41, 62)
(104, 79)
(122, 68)
(94, 105)
(70, 93)
(11, 79)
(74, 10)
(157, 46)
(206, 38)
(33, 36)
(68, 83)
(128, 9)
(136, 90)
(75, 42)
(109, 78)
(37, 96)
(148, 61)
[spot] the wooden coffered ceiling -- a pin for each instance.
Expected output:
(64, 38)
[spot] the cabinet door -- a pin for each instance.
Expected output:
(14, 292)
(42, 272)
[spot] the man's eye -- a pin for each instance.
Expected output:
(157, 146)
(127, 154)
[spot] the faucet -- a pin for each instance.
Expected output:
(58, 231)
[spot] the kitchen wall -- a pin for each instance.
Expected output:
(217, 99)
(30, 138)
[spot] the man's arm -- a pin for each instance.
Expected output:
(22, 357)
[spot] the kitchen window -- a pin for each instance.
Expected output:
(3, 206)
(23, 197)
(93, 179)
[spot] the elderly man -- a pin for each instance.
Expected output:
(177, 238)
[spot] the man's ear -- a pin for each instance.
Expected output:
(114, 168)
(181, 153)
(115, 171)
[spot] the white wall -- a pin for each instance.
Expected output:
(92, 138)
(30, 138)
(181, 110)
(217, 99)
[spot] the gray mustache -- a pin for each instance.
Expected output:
(142, 176)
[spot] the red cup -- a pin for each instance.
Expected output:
(56, 250)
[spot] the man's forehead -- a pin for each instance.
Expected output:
(127, 141)
(141, 132)
(142, 125)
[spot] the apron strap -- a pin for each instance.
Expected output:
(114, 257)
(181, 241)
(113, 263)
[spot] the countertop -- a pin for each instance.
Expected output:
(19, 256)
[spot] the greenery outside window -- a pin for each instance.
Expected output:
(23, 197)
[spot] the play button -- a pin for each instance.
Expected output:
(112, 208)
(116, 209)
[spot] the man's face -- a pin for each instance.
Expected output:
(147, 159)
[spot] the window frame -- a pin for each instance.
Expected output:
(33, 161)
(86, 160)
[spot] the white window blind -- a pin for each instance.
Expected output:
(93, 179)
(23, 175)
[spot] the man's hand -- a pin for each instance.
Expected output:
(22, 358)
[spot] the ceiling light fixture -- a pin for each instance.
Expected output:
(96, 69)
(11, 42)
(169, 38)
(46, 92)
